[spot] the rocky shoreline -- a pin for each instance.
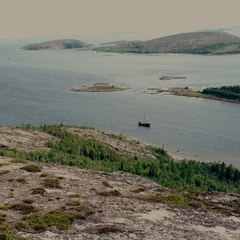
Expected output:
(187, 92)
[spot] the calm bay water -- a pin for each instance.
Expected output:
(34, 89)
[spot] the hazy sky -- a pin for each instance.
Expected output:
(36, 18)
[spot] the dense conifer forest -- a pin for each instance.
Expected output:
(83, 152)
(226, 92)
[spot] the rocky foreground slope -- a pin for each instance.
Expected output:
(49, 201)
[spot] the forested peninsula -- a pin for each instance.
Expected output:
(211, 42)
(222, 93)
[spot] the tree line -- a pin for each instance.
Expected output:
(226, 92)
(83, 152)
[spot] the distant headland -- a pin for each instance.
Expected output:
(57, 44)
(211, 42)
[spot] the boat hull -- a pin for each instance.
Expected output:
(144, 124)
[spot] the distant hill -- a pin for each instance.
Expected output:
(193, 43)
(57, 44)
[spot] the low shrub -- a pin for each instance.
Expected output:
(7, 232)
(18, 160)
(28, 201)
(40, 191)
(73, 203)
(51, 183)
(24, 208)
(106, 184)
(21, 180)
(33, 223)
(44, 175)
(31, 168)
(138, 190)
(4, 207)
(61, 220)
(37, 222)
(3, 172)
(173, 199)
(85, 209)
(2, 218)
(114, 193)
(73, 195)
(109, 229)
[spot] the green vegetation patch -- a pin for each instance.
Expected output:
(51, 183)
(21, 180)
(40, 191)
(103, 87)
(138, 190)
(6, 207)
(31, 168)
(83, 152)
(28, 201)
(3, 164)
(225, 92)
(74, 203)
(114, 193)
(19, 160)
(173, 199)
(4, 172)
(86, 210)
(74, 195)
(106, 184)
(24, 208)
(61, 220)
(38, 223)
(2, 218)
(7, 232)
(44, 175)
(32, 223)
(109, 229)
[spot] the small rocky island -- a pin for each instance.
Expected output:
(99, 87)
(171, 78)
(57, 44)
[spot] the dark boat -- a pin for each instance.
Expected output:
(144, 123)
